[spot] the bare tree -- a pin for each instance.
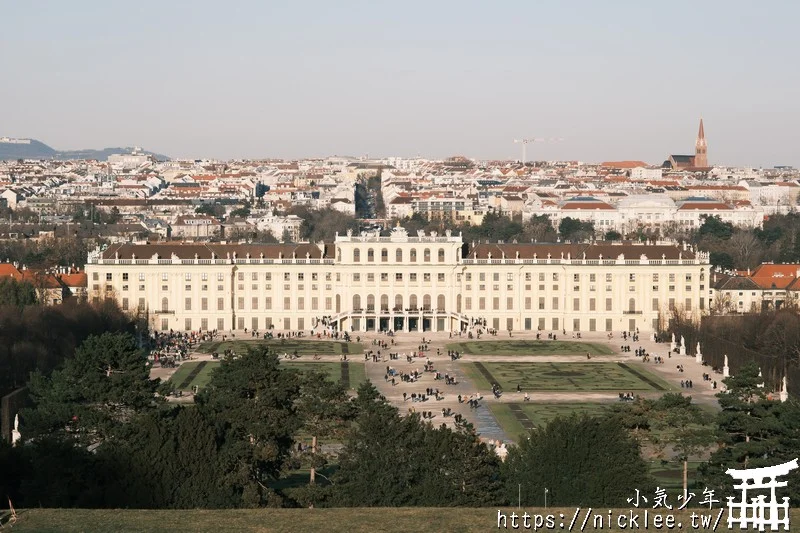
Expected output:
(746, 249)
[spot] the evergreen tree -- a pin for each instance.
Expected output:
(753, 432)
(254, 404)
(391, 460)
(101, 388)
(580, 461)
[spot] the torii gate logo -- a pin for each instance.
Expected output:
(760, 512)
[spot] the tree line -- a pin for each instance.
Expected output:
(100, 434)
(42, 337)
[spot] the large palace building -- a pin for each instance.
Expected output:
(402, 283)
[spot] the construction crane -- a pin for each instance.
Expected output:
(537, 140)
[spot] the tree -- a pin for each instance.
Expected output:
(574, 229)
(538, 229)
(714, 226)
(671, 424)
(326, 412)
(100, 389)
(721, 260)
(323, 224)
(753, 432)
(168, 459)
(241, 212)
(214, 210)
(746, 248)
(16, 293)
(389, 460)
(581, 461)
(254, 403)
(613, 236)
(286, 236)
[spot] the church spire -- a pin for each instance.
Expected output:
(701, 148)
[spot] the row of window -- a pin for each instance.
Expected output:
(240, 304)
(220, 276)
(300, 276)
(398, 276)
(576, 304)
(542, 323)
(398, 255)
(575, 277)
(255, 323)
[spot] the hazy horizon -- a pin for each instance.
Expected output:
(617, 81)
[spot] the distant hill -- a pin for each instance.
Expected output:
(33, 150)
(38, 150)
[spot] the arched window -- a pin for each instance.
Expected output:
(384, 255)
(412, 302)
(356, 255)
(426, 302)
(398, 255)
(356, 302)
(370, 255)
(632, 305)
(413, 257)
(165, 304)
(426, 255)
(370, 302)
(398, 302)
(441, 255)
(458, 303)
(440, 303)
(384, 302)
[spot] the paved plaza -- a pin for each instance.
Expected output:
(554, 383)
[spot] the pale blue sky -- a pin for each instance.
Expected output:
(615, 79)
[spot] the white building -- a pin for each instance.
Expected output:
(402, 283)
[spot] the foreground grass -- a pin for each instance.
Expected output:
(512, 347)
(358, 520)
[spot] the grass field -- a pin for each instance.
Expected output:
(358, 520)
(565, 377)
(540, 414)
(356, 373)
(512, 347)
(201, 379)
(281, 346)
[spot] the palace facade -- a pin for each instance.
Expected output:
(402, 283)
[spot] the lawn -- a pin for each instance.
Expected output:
(282, 346)
(193, 373)
(356, 520)
(517, 418)
(356, 374)
(565, 377)
(512, 347)
(184, 379)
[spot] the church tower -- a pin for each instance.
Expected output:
(701, 148)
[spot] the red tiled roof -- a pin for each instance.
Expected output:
(624, 164)
(7, 269)
(78, 279)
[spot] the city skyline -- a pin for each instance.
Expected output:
(618, 82)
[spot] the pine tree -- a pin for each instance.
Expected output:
(101, 388)
(753, 432)
(579, 461)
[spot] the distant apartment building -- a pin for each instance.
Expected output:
(195, 227)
